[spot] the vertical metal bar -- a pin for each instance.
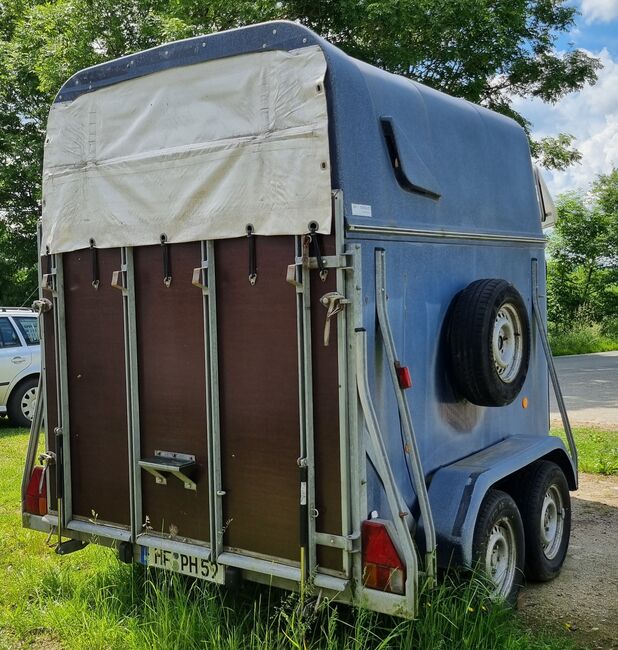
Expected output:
(380, 458)
(212, 383)
(132, 389)
(63, 390)
(536, 311)
(305, 395)
(347, 525)
(357, 451)
(37, 420)
(411, 447)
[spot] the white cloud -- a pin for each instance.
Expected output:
(590, 115)
(602, 11)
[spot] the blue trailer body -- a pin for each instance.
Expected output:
(459, 204)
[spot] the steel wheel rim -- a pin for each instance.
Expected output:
(506, 343)
(501, 557)
(28, 403)
(552, 522)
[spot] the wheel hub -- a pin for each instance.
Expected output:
(506, 343)
(552, 522)
(500, 557)
(28, 403)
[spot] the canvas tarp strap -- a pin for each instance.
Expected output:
(194, 152)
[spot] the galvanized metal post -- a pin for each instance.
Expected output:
(536, 311)
(411, 447)
(381, 461)
(217, 492)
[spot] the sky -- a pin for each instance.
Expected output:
(591, 115)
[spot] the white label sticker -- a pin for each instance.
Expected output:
(303, 493)
(360, 210)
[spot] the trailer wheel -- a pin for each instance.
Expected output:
(546, 512)
(22, 402)
(488, 337)
(498, 545)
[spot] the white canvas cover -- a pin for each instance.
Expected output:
(194, 152)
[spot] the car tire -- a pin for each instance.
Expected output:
(21, 404)
(498, 547)
(488, 337)
(545, 506)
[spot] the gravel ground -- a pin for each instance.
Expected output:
(583, 600)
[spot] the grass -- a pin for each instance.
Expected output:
(583, 339)
(89, 600)
(597, 449)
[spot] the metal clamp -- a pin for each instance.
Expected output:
(42, 306)
(335, 303)
(199, 276)
(118, 280)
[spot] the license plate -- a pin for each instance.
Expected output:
(188, 565)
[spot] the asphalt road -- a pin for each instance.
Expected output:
(590, 388)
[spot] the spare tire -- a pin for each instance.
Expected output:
(488, 336)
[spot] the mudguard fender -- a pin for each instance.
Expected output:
(457, 490)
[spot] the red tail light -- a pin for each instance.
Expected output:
(36, 494)
(382, 567)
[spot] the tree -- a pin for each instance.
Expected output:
(486, 51)
(583, 265)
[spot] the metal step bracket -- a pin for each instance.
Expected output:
(170, 462)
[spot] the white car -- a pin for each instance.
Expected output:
(20, 364)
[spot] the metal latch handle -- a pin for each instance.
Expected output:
(335, 303)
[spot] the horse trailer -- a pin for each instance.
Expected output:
(294, 326)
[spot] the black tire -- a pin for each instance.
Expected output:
(20, 407)
(545, 506)
(498, 546)
(488, 337)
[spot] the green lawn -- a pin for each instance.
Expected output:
(582, 339)
(597, 449)
(89, 600)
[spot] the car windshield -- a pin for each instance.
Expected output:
(29, 327)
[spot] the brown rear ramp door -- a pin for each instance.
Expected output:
(172, 386)
(259, 402)
(259, 418)
(97, 388)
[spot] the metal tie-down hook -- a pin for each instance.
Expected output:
(252, 258)
(334, 302)
(313, 237)
(94, 257)
(167, 270)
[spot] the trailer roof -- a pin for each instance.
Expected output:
(408, 158)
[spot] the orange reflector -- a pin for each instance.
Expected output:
(524, 403)
(382, 567)
(36, 494)
(403, 377)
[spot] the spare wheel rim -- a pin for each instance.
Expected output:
(506, 343)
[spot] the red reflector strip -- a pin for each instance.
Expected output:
(36, 494)
(403, 377)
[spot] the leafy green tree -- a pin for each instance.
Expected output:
(486, 51)
(583, 265)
